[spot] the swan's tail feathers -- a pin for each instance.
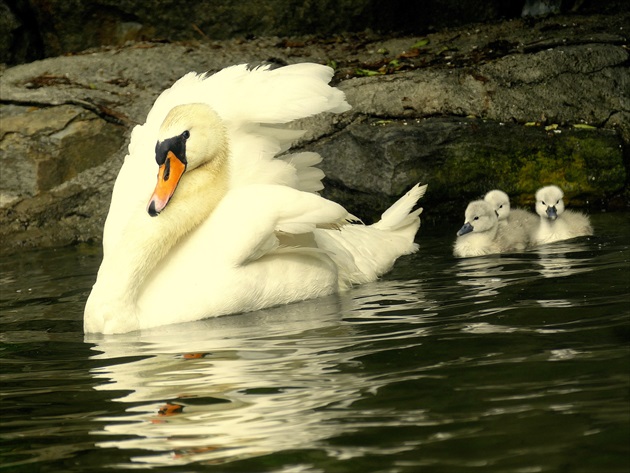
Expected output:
(364, 253)
(400, 215)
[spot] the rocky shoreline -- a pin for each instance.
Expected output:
(514, 104)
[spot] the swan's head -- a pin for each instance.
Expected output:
(500, 203)
(480, 217)
(549, 203)
(190, 136)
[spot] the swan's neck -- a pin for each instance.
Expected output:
(149, 239)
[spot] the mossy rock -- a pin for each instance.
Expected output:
(461, 159)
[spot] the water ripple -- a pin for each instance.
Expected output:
(511, 363)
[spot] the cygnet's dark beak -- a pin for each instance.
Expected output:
(552, 214)
(467, 228)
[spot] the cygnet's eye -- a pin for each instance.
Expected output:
(501, 206)
(558, 201)
(476, 218)
(543, 202)
(185, 135)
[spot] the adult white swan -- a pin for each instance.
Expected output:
(229, 226)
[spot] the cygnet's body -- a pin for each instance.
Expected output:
(481, 234)
(516, 224)
(557, 223)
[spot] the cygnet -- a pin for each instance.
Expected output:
(482, 235)
(516, 223)
(557, 223)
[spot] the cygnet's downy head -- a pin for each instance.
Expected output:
(549, 203)
(479, 217)
(500, 203)
(190, 136)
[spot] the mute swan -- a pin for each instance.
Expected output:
(557, 223)
(230, 226)
(481, 234)
(515, 222)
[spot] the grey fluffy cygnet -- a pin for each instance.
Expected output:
(557, 223)
(515, 223)
(481, 233)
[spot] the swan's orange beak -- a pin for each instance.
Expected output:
(169, 174)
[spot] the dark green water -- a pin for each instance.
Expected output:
(516, 363)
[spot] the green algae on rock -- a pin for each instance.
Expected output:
(464, 158)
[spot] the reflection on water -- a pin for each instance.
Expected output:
(251, 385)
(505, 363)
(484, 275)
(244, 386)
(564, 259)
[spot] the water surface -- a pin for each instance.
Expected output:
(513, 363)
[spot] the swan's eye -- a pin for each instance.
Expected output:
(543, 202)
(185, 135)
(476, 218)
(557, 202)
(501, 206)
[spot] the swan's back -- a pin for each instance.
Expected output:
(522, 218)
(515, 231)
(513, 236)
(577, 223)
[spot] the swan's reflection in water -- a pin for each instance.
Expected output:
(241, 386)
(484, 275)
(565, 258)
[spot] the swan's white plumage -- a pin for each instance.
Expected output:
(245, 228)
